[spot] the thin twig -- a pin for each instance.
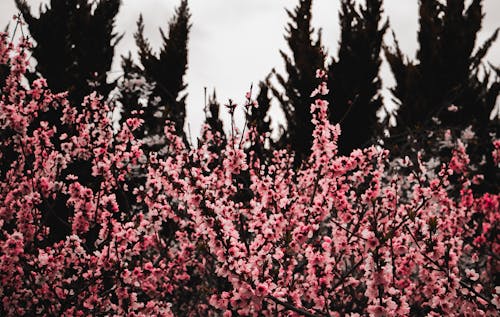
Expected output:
(291, 307)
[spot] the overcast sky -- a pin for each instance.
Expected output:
(236, 43)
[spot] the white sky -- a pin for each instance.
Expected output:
(236, 43)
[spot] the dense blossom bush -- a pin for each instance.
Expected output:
(220, 234)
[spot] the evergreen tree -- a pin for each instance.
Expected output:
(166, 72)
(212, 118)
(74, 50)
(4, 68)
(444, 85)
(307, 56)
(4, 72)
(134, 93)
(354, 80)
(214, 135)
(257, 119)
(446, 71)
(75, 44)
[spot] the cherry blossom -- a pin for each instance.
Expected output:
(219, 233)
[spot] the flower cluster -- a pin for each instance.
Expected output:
(209, 233)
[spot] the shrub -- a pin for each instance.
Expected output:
(342, 235)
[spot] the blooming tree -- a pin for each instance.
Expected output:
(223, 234)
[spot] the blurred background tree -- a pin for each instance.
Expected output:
(215, 124)
(353, 77)
(306, 57)
(259, 120)
(74, 44)
(152, 89)
(164, 72)
(448, 86)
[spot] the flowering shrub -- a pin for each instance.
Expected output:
(222, 234)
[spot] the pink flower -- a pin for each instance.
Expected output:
(320, 73)
(376, 311)
(262, 290)
(371, 240)
(87, 218)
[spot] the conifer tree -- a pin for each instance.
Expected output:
(354, 80)
(214, 122)
(74, 49)
(166, 72)
(133, 93)
(213, 135)
(258, 119)
(307, 56)
(75, 44)
(445, 85)
(4, 68)
(446, 70)
(259, 115)
(4, 72)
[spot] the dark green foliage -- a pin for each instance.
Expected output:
(74, 49)
(307, 56)
(4, 72)
(132, 88)
(353, 78)
(447, 72)
(166, 72)
(4, 69)
(152, 90)
(75, 44)
(212, 119)
(257, 119)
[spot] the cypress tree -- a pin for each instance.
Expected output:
(258, 120)
(75, 44)
(213, 135)
(4, 69)
(447, 74)
(446, 71)
(257, 117)
(307, 56)
(165, 72)
(133, 93)
(353, 78)
(214, 124)
(132, 97)
(74, 50)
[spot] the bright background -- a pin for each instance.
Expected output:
(236, 43)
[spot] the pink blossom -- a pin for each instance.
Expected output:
(207, 233)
